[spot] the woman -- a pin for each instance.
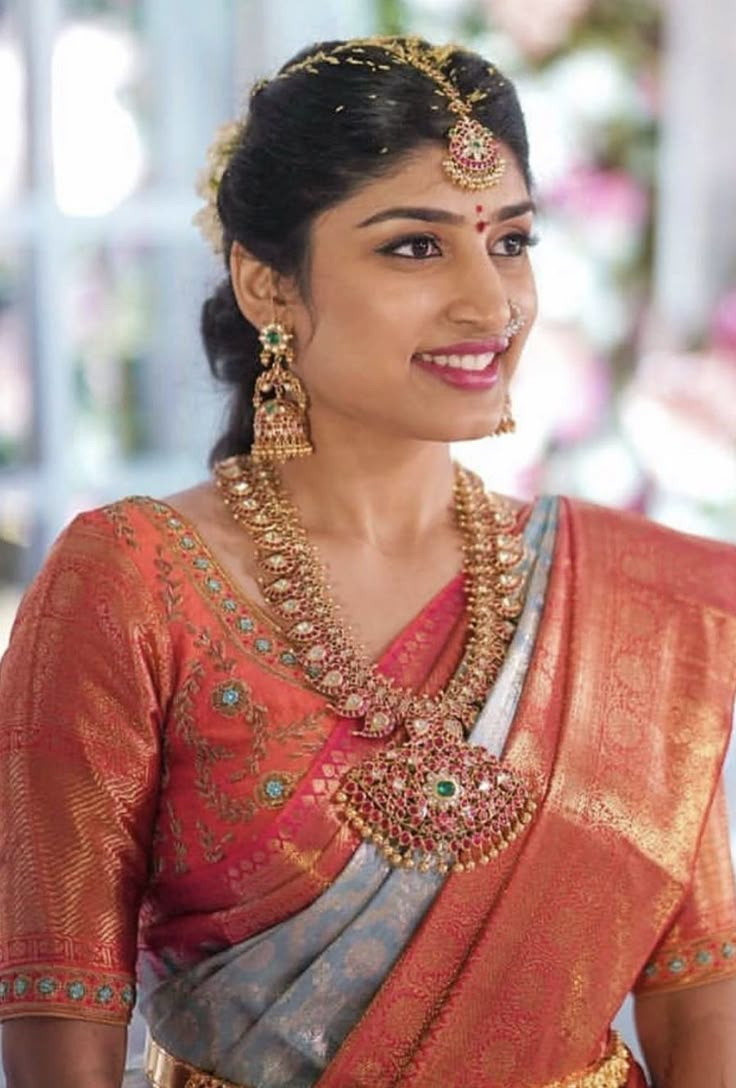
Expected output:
(447, 868)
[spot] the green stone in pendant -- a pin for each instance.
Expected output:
(446, 788)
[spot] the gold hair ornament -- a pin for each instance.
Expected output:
(475, 161)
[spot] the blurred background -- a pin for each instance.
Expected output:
(627, 395)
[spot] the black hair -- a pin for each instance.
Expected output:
(311, 138)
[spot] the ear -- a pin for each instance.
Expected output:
(252, 285)
(258, 289)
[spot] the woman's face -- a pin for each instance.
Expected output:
(411, 285)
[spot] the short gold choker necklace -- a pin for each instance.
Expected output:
(433, 799)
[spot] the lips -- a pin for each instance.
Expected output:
(458, 376)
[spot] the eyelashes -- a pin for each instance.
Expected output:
(418, 244)
(518, 239)
(423, 247)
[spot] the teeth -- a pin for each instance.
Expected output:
(460, 362)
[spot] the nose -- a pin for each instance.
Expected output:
(479, 296)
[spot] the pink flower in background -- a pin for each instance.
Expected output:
(698, 388)
(680, 415)
(591, 193)
(538, 27)
(723, 329)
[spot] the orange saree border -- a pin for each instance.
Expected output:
(511, 976)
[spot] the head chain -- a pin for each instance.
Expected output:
(474, 161)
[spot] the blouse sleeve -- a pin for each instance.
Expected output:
(80, 713)
(700, 945)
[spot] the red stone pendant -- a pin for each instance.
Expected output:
(436, 802)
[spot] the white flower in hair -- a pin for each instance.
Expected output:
(219, 154)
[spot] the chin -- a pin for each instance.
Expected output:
(466, 432)
(471, 429)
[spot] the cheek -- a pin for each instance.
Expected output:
(352, 325)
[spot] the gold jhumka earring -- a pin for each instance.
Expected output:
(280, 426)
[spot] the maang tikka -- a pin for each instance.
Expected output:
(280, 425)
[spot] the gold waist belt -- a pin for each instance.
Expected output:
(165, 1071)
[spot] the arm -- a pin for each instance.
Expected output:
(686, 998)
(79, 774)
(66, 1053)
(689, 1036)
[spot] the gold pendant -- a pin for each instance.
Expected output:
(436, 802)
(475, 160)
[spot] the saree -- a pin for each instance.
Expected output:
(275, 946)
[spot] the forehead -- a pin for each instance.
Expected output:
(421, 180)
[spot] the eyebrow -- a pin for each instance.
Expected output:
(441, 215)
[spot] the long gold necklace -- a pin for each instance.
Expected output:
(434, 799)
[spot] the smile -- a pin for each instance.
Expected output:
(475, 371)
(459, 362)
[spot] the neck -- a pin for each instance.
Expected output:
(383, 493)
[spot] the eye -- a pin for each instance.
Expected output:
(513, 245)
(415, 247)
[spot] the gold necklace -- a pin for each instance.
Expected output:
(433, 800)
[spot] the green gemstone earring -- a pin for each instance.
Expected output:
(280, 426)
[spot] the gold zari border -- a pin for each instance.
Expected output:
(163, 1070)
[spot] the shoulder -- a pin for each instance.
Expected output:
(622, 543)
(114, 550)
(117, 534)
(137, 524)
(95, 598)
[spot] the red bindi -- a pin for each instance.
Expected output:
(480, 226)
